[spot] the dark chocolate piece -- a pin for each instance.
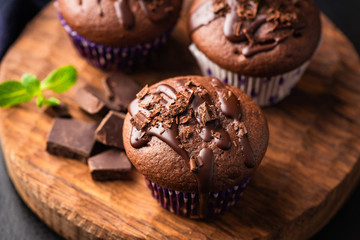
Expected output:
(121, 88)
(72, 139)
(91, 101)
(59, 111)
(109, 131)
(110, 165)
(207, 113)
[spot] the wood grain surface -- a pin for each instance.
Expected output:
(310, 168)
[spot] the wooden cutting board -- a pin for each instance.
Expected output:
(311, 166)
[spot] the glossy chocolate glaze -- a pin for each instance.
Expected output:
(229, 104)
(124, 14)
(244, 27)
(209, 129)
(204, 176)
(155, 10)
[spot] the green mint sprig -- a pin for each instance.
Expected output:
(14, 92)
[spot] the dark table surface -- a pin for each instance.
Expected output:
(18, 222)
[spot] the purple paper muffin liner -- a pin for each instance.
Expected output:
(110, 58)
(264, 91)
(187, 204)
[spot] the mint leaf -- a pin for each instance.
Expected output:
(60, 80)
(13, 93)
(40, 101)
(52, 101)
(31, 83)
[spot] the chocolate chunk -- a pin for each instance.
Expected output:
(59, 111)
(71, 139)
(122, 88)
(207, 113)
(109, 165)
(143, 92)
(91, 101)
(181, 104)
(139, 121)
(109, 132)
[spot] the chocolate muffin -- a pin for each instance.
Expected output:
(118, 33)
(262, 47)
(197, 141)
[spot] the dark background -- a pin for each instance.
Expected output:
(18, 222)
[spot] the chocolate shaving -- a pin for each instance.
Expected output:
(143, 92)
(139, 121)
(207, 113)
(185, 119)
(186, 134)
(216, 134)
(195, 164)
(242, 129)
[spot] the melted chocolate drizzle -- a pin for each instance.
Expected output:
(124, 14)
(204, 176)
(243, 25)
(211, 129)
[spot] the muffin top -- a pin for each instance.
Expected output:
(195, 134)
(256, 37)
(120, 22)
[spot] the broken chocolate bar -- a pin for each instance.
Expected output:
(71, 139)
(109, 165)
(121, 88)
(109, 131)
(91, 101)
(59, 111)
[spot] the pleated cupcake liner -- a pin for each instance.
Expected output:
(111, 58)
(264, 91)
(187, 204)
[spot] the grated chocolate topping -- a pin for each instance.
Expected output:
(244, 18)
